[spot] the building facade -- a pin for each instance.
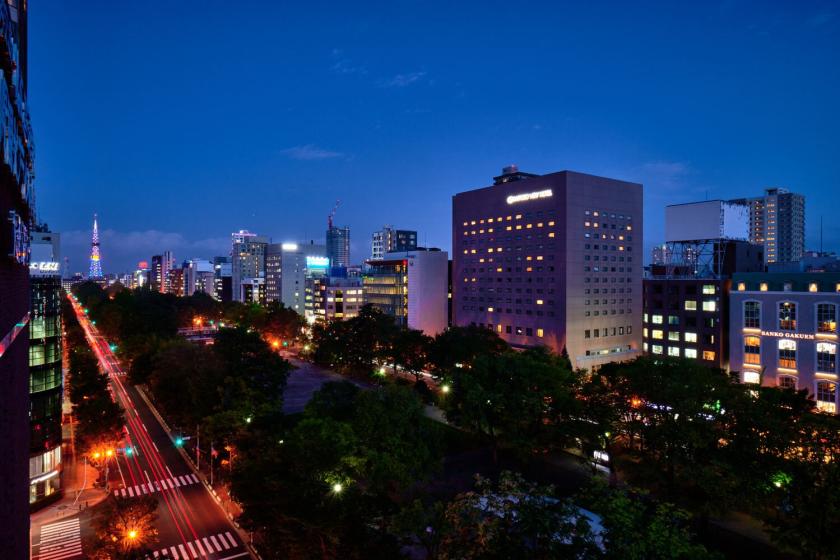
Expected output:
(552, 260)
(336, 299)
(222, 279)
(294, 263)
(252, 291)
(411, 287)
(198, 276)
(784, 332)
(175, 282)
(247, 259)
(45, 383)
(777, 221)
(17, 206)
(338, 246)
(389, 240)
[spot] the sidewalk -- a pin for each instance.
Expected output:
(77, 480)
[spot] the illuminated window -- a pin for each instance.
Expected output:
(674, 351)
(826, 357)
(656, 319)
(691, 353)
(499, 328)
(540, 333)
(490, 309)
(763, 286)
(672, 335)
(826, 317)
(752, 350)
(539, 302)
(752, 315)
(708, 355)
(741, 286)
(708, 289)
(656, 334)
(787, 316)
(787, 382)
(812, 287)
(827, 396)
(752, 377)
(691, 337)
(656, 348)
(709, 306)
(690, 305)
(787, 353)
(673, 320)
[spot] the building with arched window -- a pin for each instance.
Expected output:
(784, 332)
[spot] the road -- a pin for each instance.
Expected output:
(191, 524)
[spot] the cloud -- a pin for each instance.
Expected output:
(670, 175)
(310, 152)
(403, 80)
(343, 65)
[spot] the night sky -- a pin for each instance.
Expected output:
(180, 122)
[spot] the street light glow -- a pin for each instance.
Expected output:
(444, 389)
(132, 534)
(337, 487)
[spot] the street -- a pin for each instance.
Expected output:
(191, 524)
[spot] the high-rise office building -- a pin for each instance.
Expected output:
(777, 221)
(412, 287)
(198, 276)
(159, 274)
(222, 279)
(388, 240)
(175, 282)
(45, 370)
(335, 299)
(552, 260)
(17, 207)
(247, 259)
(338, 246)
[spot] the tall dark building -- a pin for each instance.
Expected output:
(390, 240)
(16, 215)
(777, 221)
(45, 380)
(552, 260)
(338, 246)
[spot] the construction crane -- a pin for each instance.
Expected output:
(332, 213)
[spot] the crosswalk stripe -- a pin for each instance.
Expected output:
(156, 554)
(175, 480)
(216, 543)
(192, 550)
(195, 478)
(200, 548)
(174, 552)
(131, 491)
(207, 544)
(232, 540)
(60, 525)
(183, 551)
(183, 480)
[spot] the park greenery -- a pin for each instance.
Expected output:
(355, 475)
(98, 419)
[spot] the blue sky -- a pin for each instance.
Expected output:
(180, 122)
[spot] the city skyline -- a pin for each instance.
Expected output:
(683, 111)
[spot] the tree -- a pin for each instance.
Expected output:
(124, 528)
(675, 409)
(410, 350)
(459, 347)
(512, 519)
(638, 528)
(524, 398)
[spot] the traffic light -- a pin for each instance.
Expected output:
(129, 451)
(179, 441)
(113, 347)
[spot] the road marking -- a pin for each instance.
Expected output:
(174, 552)
(201, 548)
(60, 541)
(156, 449)
(240, 555)
(192, 550)
(232, 540)
(216, 543)
(156, 486)
(144, 427)
(183, 551)
(207, 544)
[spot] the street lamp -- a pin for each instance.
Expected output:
(337, 488)
(132, 534)
(444, 389)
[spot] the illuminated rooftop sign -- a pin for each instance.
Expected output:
(44, 266)
(777, 334)
(317, 262)
(514, 198)
(289, 246)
